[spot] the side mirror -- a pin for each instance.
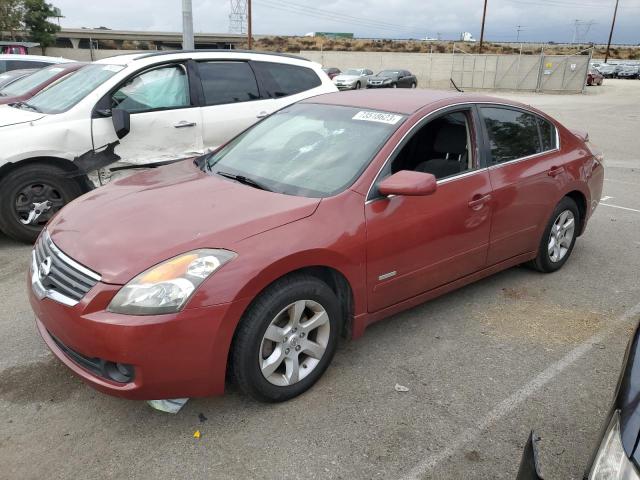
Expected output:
(121, 121)
(408, 183)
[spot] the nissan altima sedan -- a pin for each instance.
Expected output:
(325, 217)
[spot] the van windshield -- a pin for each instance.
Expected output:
(66, 93)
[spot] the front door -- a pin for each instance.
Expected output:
(163, 125)
(416, 244)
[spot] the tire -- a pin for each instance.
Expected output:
(394, 85)
(547, 261)
(21, 188)
(273, 311)
(357, 86)
(413, 85)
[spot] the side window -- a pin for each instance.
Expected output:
(512, 133)
(283, 79)
(165, 87)
(441, 147)
(227, 82)
(3, 66)
(548, 135)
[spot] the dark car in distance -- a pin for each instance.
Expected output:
(332, 72)
(393, 79)
(629, 72)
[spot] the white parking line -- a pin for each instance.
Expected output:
(513, 401)
(621, 208)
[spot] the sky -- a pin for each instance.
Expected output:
(539, 20)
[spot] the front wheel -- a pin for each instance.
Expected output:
(559, 237)
(30, 196)
(286, 339)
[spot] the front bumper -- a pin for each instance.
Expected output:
(346, 86)
(382, 85)
(175, 355)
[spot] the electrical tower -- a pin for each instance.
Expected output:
(238, 16)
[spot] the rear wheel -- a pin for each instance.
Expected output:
(414, 85)
(286, 339)
(30, 196)
(559, 237)
(357, 85)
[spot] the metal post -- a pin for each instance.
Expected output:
(613, 23)
(187, 25)
(249, 36)
(484, 14)
(540, 70)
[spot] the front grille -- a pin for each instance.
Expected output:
(59, 273)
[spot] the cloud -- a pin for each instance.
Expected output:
(542, 20)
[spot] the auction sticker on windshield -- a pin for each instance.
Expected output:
(389, 118)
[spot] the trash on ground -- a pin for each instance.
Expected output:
(196, 434)
(401, 388)
(169, 405)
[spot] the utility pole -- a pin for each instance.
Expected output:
(187, 26)
(484, 14)
(249, 38)
(519, 29)
(613, 23)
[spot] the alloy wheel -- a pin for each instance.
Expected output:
(561, 235)
(294, 342)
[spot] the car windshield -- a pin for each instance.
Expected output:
(352, 71)
(22, 86)
(65, 94)
(387, 73)
(309, 150)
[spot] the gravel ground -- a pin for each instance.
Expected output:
(484, 365)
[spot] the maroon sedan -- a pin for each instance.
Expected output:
(325, 217)
(26, 87)
(594, 77)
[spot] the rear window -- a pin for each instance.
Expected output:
(227, 82)
(282, 79)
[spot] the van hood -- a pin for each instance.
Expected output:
(127, 226)
(13, 116)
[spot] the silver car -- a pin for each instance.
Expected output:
(353, 78)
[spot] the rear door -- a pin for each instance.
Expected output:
(525, 175)
(165, 121)
(232, 100)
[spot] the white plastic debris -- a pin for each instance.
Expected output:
(401, 388)
(169, 405)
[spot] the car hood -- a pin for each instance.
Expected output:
(14, 116)
(628, 399)
(346, 78)
(384, 77)
(136, 222)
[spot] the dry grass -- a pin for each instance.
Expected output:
(295, 44)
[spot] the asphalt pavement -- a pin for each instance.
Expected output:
(483, 366)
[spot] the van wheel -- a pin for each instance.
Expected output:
(286, 339)
(559, 237)
(30, 196)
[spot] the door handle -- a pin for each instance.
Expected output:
(478, 201)
(184, 124)
(555, 171)
(262, 114)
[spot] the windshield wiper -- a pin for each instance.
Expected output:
(245, 180)
(28, 106)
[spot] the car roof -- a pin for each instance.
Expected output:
(403, 101)
(33, 58)
(154, 57)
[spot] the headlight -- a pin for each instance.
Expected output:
(611, 462)
(166, 287)
(387, 80)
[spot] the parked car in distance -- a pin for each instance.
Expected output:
(12, 75)
(594, 77)
(332, 72)
(26, 87)
(393, 79)
(325, 217)
(352, 78)
(608, 71)
(138, 110)
(629, 72)
(12, 61)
